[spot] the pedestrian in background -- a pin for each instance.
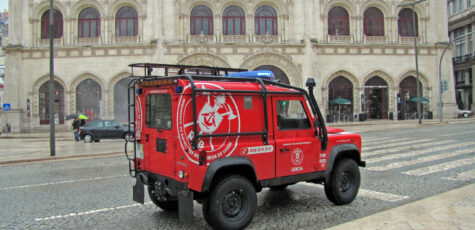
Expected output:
(76, 125)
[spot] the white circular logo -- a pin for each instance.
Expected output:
(297, 156)
(216, 114)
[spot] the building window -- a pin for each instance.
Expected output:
(266, 21)
(338, 22)
(469, 3)
(201, 21)
(405, 23)
(89, 25)
(126, 22)
(373, 22)
(57, 25)
(234, 21)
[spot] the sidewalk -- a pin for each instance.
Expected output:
(451, 210)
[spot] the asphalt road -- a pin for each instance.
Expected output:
(403, 165)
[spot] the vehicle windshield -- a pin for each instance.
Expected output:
(159, 111)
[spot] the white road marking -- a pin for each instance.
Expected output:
(422, 151)
(421, 160)
(465, 176)
(457, 134)
(404, 147)
(369, 193)
(375, 139)
(89, 212)
(61, 182)
(400, 143)
(440, 167)
(382, 142)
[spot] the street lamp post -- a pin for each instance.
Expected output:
(51, 83)
(419, 98)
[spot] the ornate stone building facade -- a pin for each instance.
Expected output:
(361, 51)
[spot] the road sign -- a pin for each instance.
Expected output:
(7, 107)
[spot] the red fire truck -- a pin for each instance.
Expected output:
(219, 135)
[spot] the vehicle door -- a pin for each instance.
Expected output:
(96, 128)
(157, 137)
(296, 144)
(114, 130)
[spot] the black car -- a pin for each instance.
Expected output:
(105, 129)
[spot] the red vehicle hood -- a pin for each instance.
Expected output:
(331, 130)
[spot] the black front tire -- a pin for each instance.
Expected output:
(169, 205)
(232, 204)
(342, 186)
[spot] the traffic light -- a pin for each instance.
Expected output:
(444, 86)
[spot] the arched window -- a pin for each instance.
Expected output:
(405, 23)
(338, 22)
(266, 21)
(126, 22)
(373, 22)
(89, 99)
(340, 87)
(201, 21)
(44, 106)
(89, 23)
(234, 21)
(57, 25)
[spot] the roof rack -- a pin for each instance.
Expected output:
(184, 69)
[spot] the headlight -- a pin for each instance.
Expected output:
(181, 174)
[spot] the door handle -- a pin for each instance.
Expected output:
(284, 150)
(146, 137)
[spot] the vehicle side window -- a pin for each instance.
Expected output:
(108, 123)
(291, 115)
(158, 111)
(96, 124)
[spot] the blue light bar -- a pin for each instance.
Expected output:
(266, 74)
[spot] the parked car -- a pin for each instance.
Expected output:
(465, 113)
(105, 129)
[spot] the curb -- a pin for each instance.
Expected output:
(56, 158)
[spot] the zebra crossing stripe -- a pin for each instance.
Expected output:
(421, 160)
(398, 144)
(419, 152)
(382, 142)
(369, 193)
(376, 139)
(440, 167)
(465, 176)
(457, 134)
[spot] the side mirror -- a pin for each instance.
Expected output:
(116, 126)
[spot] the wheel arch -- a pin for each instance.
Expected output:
(227, 166)
(343, 151)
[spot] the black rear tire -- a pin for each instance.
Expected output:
(169, 205)
(342, 186)
(232, 204)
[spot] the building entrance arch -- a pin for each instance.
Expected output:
(376, 98)
(89, 99)
(44, 104)
(279, 74)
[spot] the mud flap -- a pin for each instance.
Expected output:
(185, 207)
(138, 191)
